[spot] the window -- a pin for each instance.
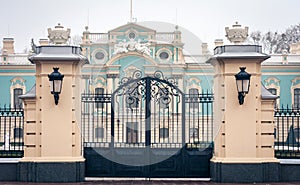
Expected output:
(194, 133)
(132, 132)
(18, 133)
(273, 91)
(99, 132)
(194, 93)
(297, 98)
(99, 55)
(17, 100)
(164, 55)
(99, 97)
(131, 35)
(163, 132)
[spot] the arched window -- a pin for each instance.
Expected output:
(17, 88)
(297, 98)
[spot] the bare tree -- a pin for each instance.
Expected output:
(274, 42)
(76, 40)
(256, 37)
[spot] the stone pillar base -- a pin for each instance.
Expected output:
(244, 172)
(51, 171)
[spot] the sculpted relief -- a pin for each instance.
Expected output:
(132, 45)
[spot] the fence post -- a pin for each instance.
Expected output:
(244, 137)
(52, 135)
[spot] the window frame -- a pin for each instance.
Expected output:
(194, 93)
(99, 94)
(17, 102)
(164, 132)
(296, 98)
(99, 132)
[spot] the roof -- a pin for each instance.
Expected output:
(131, 25)
(266, 95)
(277, 59)
(58, 53)
(238, 52)
(30, 94)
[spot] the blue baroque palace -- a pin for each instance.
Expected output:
(120, 52)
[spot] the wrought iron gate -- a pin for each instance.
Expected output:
(147, 128)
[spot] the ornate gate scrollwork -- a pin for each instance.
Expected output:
(154, 102)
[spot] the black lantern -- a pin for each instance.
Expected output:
(242, 83)
(55, 79)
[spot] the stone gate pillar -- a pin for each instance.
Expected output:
(52, 135)
(244, 141)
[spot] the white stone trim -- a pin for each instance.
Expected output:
(294, 86)
(16, 86)
(98, 85)
(273, 85)
(99, 50)
(164, 49)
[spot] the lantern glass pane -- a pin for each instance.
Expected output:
(57, 86)
(239, 84)
(246, 86)
(51, 86)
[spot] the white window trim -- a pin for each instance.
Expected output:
(274, 85)
(97, 60)
(16, 86)
(164, 49)
(294, 86)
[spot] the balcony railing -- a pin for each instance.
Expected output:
(98, 37)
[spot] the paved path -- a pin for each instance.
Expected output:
(145, 182)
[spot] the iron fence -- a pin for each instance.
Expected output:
(166, 125)
(287, 132)
(11, 132)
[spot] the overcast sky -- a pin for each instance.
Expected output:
(26, 19)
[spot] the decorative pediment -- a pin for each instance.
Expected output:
(132, 26)
(296, 81)
(194, 80)
(17, 80)
(99, 79)
(271, 80)
(130, 70)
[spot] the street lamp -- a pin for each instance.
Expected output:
(242, 83)
(55, 79)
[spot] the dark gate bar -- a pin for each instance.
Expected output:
(148, 112)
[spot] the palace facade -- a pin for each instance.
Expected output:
(120, 52)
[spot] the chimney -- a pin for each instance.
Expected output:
(204, 49)
(8, 45)
(44, 42)
(219, 42)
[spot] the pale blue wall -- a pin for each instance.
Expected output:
(5, 84)
(285, 87)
